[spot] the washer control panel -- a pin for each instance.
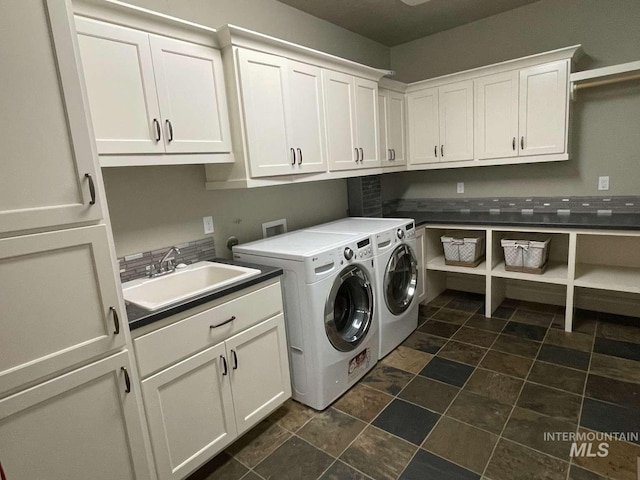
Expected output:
(358, 250)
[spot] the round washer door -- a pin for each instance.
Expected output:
(349, 309)
(400, 279)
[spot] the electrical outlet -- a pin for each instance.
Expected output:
(460, 188)
(603, 183)
(208, 224)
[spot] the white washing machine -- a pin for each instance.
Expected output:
(396, 266)
(329, 293)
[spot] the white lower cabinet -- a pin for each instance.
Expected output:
(420, 257)
(199, 405)
(83, 424)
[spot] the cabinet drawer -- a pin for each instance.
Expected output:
(163, 347)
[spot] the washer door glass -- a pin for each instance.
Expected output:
(400, 279)
(349, 309)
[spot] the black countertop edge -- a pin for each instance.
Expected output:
(139, 317)
(619, 221)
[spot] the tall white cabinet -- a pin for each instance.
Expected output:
(68, 403)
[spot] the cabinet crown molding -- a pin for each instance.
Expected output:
(565, 53)
(233, 35)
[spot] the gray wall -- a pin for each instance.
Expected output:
(152, 207)
(606, 122)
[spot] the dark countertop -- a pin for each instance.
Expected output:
(620, 221)
(139, 317)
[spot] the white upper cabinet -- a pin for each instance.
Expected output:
(441, 123)
(47, 149)
(306, 119)
(118, 72)
(424, 126)
(543, 109)
(392, 128)
(152, 95)
(351, 105)
(191, 95)
(367, 121)
(456, 121)
(283, 117)
(496, 128)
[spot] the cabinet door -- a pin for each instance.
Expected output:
(366, 94)
(420, 254)
(56, 294)
(543, 109)
(424, 127)
(396, 127)
(192, 98)
(189, 412)
(383, 129)
(259, 365)
(456, 121)
(77, 426)
(306, 122)
(47, 147)
(340, 118)
(118, 72)
(265, 98)
(496, 125)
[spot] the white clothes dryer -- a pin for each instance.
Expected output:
(396, 267)
(329, 296)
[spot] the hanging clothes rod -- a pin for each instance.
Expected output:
(604, 76)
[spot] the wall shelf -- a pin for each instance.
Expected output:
(556, 272)
(439, 264)
(608, 277)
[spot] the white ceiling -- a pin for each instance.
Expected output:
(392, 22)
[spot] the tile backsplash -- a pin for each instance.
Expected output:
(135, 265)
(554, 205)
(365, 196)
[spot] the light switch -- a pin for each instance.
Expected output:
(208, 224)
(603, 183)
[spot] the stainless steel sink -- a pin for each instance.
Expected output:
(156, 293)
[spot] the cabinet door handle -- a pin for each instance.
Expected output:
(224, 364)
(442, 150)
(394, 154)
(389, 157)
(299, 156)
(127, 380)
(116, 320)
(522, 142)
(361, 155)
(156, 125)
(170, 127)
(435, 151)
(223, 323)
(513, 144)
(92, 188)
(293, 156)
(235, 359)
(357, 155)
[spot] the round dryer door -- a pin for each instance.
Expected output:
(400, 279)
(349, 309)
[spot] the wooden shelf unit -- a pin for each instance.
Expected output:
(597, 260)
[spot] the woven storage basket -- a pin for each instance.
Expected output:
(526, 255)
(467, 251)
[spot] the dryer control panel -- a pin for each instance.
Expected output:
(390, 238)
(359, 250)
(324, 264)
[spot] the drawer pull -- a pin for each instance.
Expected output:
(293, 154)
(361, 154)
(127, 380)
(235, 359)
(522, 142)
(116, 320)
(224, 364)
(299, 156)
(156, 125)
(168, 122)
(223, 323)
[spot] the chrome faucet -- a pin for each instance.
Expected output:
(165, 265)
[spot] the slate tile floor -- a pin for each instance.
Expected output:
(465, 397)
